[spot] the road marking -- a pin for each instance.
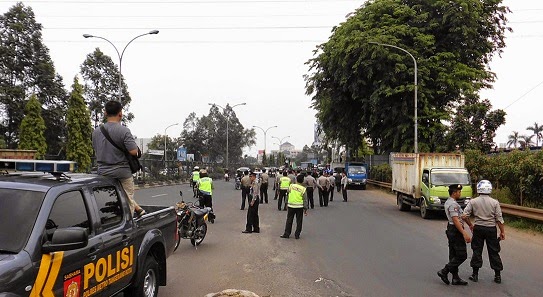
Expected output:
(159, 195)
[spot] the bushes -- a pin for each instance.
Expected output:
(521, 172)
(517, 177)
(381, 173)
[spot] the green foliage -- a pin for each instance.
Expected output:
(520, 172)
(272, 161)
(157, 143)
(474, 126)
(79, 143)
(381, 173)
(27, 69)
(358, 87)
(101, 77)
(32, 129)
(207, 135)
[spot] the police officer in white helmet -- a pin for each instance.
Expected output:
(488, 214)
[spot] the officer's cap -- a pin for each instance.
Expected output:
(253, 174)
(455, 187)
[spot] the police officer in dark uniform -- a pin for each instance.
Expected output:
(457, 237)
(487, 214)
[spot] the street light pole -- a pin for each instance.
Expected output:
(416, 85)
(227, 121)
(120, 55)
(166, 138)
(265, 132)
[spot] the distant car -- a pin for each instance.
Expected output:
(243, 169)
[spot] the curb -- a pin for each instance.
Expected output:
(158, 184)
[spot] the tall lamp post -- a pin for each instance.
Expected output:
(165, 139)
(265, 132)
(120, 55)
(415, 62)
(227, 121)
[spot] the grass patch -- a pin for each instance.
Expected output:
(524, 224)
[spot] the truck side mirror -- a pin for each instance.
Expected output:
(65, 239)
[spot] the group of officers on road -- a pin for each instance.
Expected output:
(295, 195)
(488, 215)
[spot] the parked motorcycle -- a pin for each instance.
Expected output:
(237, 185)
(191, 222)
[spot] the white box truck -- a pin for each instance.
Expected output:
(422, 180)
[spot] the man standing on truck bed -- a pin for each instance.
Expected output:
(488, 214)
(457, 237)
(111, 161)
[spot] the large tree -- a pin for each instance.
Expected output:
(79, 142)
(362, 87)
(101, 81)
(207, 135)
(538, 132)
(474, 126)
(25, 69)
(32, 129)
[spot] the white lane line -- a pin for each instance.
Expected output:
(159, 195)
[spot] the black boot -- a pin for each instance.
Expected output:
(475, 275)
(457, 281)
(497, 277)
(443, 274)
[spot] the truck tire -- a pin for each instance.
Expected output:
(363, 187)
(402, 206)
(147, 284)
(424, 212)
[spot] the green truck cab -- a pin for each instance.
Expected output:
(422, 180)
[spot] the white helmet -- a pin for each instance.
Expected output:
(196, 168)
(484, 187)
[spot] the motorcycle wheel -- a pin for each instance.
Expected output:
(178, 240)
(197, 241)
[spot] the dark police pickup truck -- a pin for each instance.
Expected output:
(73, 235)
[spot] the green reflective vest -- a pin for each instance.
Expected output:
(196, 176)
(284, 183)
(296, 196)
(205, 185)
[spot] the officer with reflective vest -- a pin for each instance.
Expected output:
(284, 184)
(297, 205)
(195, 177)
(205, 188)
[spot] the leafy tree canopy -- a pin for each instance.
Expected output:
(364, 88)
(101, 80)
(79, 144)
(32, 129)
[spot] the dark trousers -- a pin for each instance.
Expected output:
(264, 192)
(309, 191)
(252, 217)
(457, 249)
(480, 235)
(205, 200)
(299, 212)
(338, 187)
(282, 196)
(331, 192)
(244, 196)
(344, 193)
(323, 197)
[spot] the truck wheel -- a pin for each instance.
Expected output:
(147, 284)
(402, 206)
(203, 231)
(363, 187)
(424, 212)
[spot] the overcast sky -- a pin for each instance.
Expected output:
(253, 51)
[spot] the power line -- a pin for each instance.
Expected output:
(541, 83)
(193, 28)
(180, 2)
(199, 41)
(190, 16)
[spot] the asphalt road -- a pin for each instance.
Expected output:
(364, 247)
